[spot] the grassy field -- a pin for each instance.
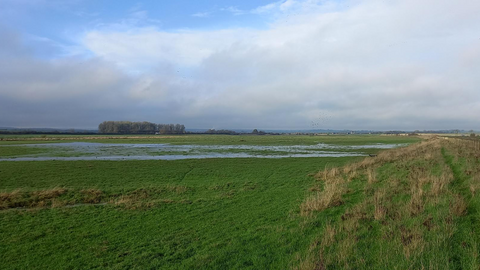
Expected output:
(210, 139)
(408, 208)
(224, 214)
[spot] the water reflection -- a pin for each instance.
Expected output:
(110, 151)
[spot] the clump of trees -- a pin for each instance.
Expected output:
(256, 132)
(171, 129)
(127, 127)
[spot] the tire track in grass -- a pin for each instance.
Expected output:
(186, 173)
(465, 236)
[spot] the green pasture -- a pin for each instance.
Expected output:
(230, 213)
(212, 139)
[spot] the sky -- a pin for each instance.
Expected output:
(231, 64)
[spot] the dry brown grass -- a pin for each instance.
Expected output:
(127, 202)
(328, 173)
(54, 197)
(49, 193)
(10, 196)
(39, 198)
(379, 208)
(9, 199)
(350, 168)
(412, 241)
(330, 196)
(92, 195)
(352, 175)
(473, 189)
(440, 183)
(123, 200)
(133, 200)
(56, 203)
(474, 186)
(371, 175)
(345, 250)
(312, 261)
(328, 236)
(422, 149)
(458, 206)
(145, 198)
(417, 203)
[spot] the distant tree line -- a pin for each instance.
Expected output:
(57, 132)
(221, 131)
(127, 127)
(256, 132)
(171, 129)
(231, 132)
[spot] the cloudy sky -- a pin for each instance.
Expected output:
(289, 64)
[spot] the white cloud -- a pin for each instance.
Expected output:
(202, 14)
(367, 64)
(234, 10)
(280, 6)
(147, 47)
(266, 8)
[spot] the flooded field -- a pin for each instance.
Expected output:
(183, 202)
(117, 151)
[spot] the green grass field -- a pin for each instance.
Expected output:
(226, 213)
(210, 139)
(409, 208)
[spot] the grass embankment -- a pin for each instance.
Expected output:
(187, 214)
(409, 208)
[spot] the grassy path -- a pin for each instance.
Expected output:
(466, 237)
